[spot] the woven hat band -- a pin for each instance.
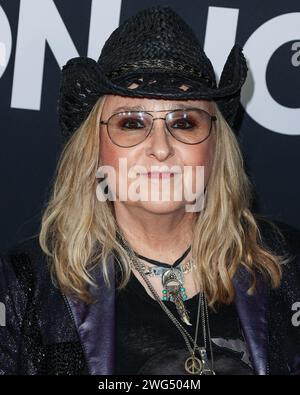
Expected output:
(162, 65)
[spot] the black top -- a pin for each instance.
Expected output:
(148, 342)
(41, 335)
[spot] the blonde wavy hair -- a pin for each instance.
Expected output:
(78, 232)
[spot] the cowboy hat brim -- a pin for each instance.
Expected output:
(84, 81)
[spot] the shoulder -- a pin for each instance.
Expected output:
(278, 236)
(22, 263)
(18, 285)
(284, 306)
(284, 239)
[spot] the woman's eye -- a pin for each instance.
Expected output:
(132, 124)
(183, 124)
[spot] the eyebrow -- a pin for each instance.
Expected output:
(178, 106)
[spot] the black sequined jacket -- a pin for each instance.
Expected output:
(48, 333)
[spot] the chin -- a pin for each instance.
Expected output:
(160, 207)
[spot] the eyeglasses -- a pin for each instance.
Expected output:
(189, 126)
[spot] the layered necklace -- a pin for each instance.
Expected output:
(172, 279)
(197, 361)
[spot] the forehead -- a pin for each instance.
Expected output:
(115, 103)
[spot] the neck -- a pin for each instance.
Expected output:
(162, 237)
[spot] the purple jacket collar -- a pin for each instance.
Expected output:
(253, 314)
(96, 323)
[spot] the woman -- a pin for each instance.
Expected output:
(151, 286)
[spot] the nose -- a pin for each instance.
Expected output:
(159, 142)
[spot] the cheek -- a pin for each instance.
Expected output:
(109, 153)
(119, 159)
(198, 155)
(201, 155)
(109, 157)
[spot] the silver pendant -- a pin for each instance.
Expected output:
(172, 275)
(206, 370)
(172, 281)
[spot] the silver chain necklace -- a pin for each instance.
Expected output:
(193, 364)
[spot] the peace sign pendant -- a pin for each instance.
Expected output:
(193, 365)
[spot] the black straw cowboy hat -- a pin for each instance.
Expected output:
(152, 54)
